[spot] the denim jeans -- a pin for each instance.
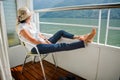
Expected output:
(54, 47)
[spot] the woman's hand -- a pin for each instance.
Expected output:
(47, 41)
(42, 36)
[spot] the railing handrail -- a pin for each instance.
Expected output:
(82, 7)
(68, 24)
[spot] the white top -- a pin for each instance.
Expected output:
(31, 29)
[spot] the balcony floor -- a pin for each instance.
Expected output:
(32, 71)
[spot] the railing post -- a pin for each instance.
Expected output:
(38, 20)
(107, 26)
(36, 17)
(99, 26)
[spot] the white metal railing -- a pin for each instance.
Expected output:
(84, 7)
(107, 28)
(79, 25)
(99, 25)
(114, 28)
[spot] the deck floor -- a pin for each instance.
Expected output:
(32, 71)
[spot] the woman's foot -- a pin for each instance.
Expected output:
(89, 38)
(81, 37)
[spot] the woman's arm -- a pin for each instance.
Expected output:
(27, 35)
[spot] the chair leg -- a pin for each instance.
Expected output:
(42, 68)
(41, 64)
(54, 59)
(24, 63)
(34, 59)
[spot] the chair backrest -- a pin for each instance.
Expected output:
(28, 50)
(28, 46)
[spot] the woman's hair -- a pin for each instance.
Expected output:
(21, 21)
(18, 22)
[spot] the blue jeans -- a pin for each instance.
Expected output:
(54, 47)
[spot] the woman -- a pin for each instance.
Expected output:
(29, 32)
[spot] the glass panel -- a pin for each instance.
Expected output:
(115, 18)
(51, 29)
(78, 17)
(114, 35)
(10, 18)
(88, 17)
(114, 38)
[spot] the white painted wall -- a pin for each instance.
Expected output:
(27, 3)
(17, 55)
(96, 62)
(109, 67)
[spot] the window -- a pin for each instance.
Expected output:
(10, 19)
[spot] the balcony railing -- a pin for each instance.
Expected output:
(98, 7)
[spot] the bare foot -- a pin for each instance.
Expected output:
(90, 36)
(83, 37)
(87, 38)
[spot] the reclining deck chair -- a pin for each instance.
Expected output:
(29, 53)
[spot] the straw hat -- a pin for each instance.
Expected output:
(24, 13)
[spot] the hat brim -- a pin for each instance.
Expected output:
(31, 13)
